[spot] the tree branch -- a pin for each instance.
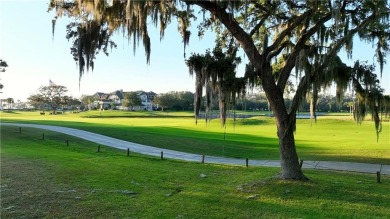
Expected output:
(303, 85)
(337, 46)
(262, 67)
(242, 37)
(278, 50)
(257, 27)
(279, 16)
(290, 63)
(299, 95)
(298, 20)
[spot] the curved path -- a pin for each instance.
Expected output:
(153, 151)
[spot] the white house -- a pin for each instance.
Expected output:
(115, 99)
(146, 99)
(101, 101)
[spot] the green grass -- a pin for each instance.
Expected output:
(336, 138)
(47, 179)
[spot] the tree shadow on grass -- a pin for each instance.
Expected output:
(186, 140)
(9, 111)
(213, 143)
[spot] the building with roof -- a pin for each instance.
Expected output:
(114, 100)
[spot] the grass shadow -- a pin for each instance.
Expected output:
(9, 111)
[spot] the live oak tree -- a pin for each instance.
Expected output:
(304, 37)
(53, 96)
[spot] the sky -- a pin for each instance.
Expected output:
(34, 57)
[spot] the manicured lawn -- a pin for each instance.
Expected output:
(335, 137)
(47, 179)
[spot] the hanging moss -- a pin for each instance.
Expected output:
(215, 72)
(96, 20)
(369, 95)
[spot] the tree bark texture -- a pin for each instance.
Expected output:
(288, 155)
(285, 123)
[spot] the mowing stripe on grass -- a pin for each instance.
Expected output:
(153, 151)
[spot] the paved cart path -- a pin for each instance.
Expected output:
(153, 151)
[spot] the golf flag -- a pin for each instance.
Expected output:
(51, 83)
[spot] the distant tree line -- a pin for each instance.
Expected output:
(325, 103)
(175, 100)
(54, 97)
(184, 101)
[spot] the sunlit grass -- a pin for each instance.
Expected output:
(331, 138)
(47, 179)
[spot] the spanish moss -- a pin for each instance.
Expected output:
(215, 72)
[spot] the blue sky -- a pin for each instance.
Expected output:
(34, 57)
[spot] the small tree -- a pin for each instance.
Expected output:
(87, 100)
(185, 100)
(175, 100)
(131, 99)
(10, 101)
(164, 100)
(71, 103)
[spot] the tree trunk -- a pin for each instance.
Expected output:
(313, 114)
(288, 154)
(285, 123)
(54, 109)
